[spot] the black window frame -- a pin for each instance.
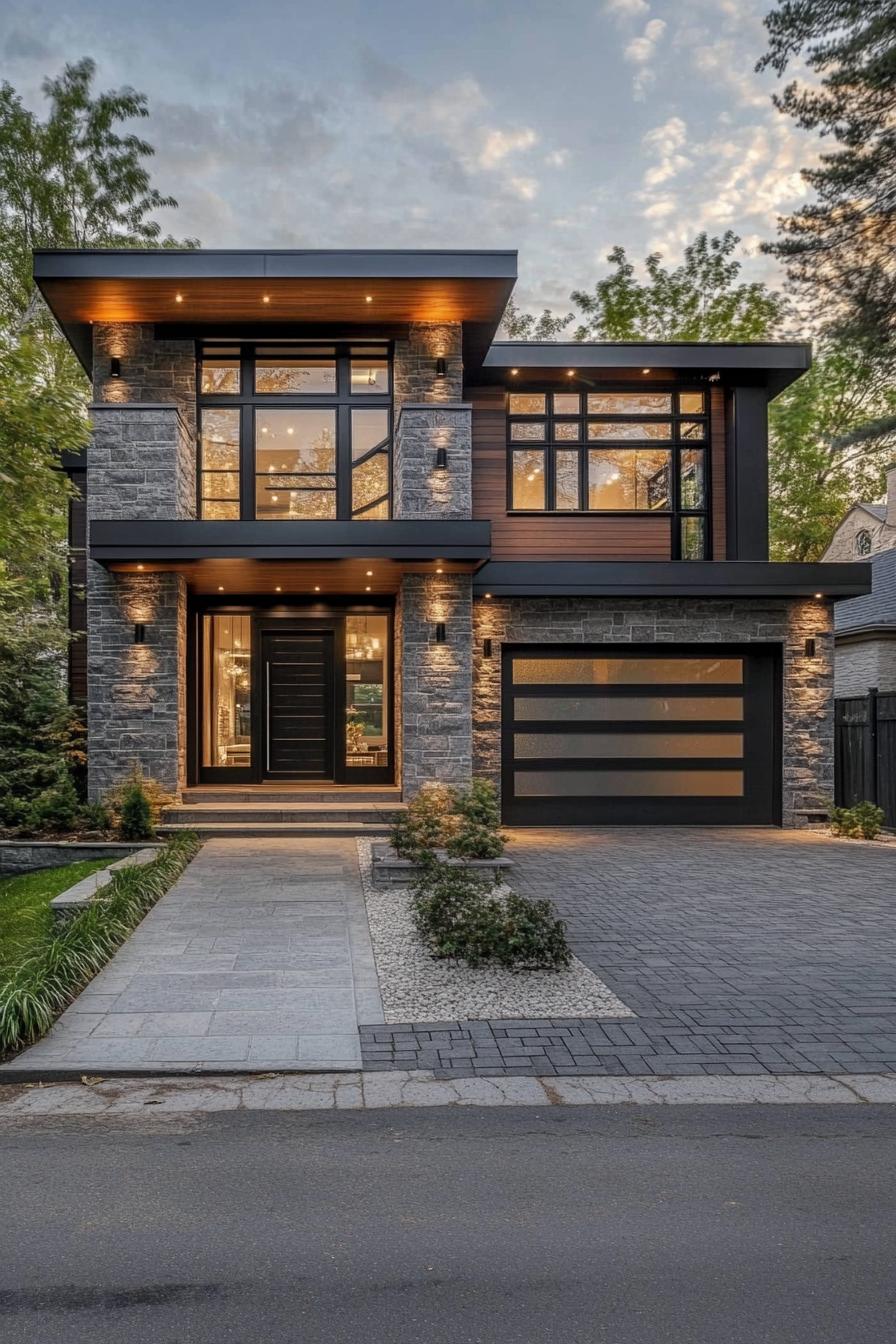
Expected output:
(343, 401)
(676, 445)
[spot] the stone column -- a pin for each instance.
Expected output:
(436, 681)
(431, 419)
(141, 464)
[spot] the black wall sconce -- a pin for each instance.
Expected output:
(115, 367)
(440, 632)
(486, 648)
(441, 458)
(441, 367)
(810, 647)
(139, 632)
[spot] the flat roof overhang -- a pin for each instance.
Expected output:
(423, 540)
(670, 578)
(304, 288)
(772, 364)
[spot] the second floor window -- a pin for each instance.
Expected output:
(613, 452)
(294, 432)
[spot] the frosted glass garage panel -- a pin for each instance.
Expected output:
(614, 709)
(578, 745)
(628, 671)
(629, 783)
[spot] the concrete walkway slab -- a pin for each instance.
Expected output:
(258, 958)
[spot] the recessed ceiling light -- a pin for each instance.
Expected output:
(178, 298)
(220, 587)
(265, 298)
(488, 594)
(368, 298)
(645, 370)
(514, 372)
(439, 569)
(370, 573)
(570, 373)
(139, 566)
(278, 589)
(367, 589)
(819, 595)
(317, 587)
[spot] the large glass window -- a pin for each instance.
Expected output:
(219, 464)
(295, 463)
(227, 691)
(366, 691)
(615, 451)
(295, 431)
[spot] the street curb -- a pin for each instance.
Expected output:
(354, 1090)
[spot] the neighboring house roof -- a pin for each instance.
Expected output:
(876, 608)
(879, 510)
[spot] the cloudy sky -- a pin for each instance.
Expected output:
(558, 127)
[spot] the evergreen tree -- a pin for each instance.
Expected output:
(840, 249)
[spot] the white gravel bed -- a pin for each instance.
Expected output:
(415, 987)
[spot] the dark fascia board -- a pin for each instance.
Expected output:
(670, 578)
(776, 364)
(285, 264)
(248, 264)
(863, 634)
(173, 539)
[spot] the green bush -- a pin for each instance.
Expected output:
(426, 825)
(56, 808)
(477, 834)
(861, 821)
(157, 796)
(135, 822)
(459, 914)
(46, 982)
(95, 817)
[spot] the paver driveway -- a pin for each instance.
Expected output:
(740, 952)
(258, 957)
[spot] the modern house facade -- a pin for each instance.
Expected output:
(331, 532)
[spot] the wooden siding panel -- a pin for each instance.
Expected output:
(546, 536)
(718, 436)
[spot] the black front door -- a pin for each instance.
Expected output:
(297, 671)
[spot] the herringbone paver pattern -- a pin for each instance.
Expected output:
(741, 952)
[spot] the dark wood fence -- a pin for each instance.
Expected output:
(865, 752)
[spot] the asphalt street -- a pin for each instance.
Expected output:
(636, 1225)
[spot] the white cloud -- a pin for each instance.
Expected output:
(524, 187)
(666, 142)
(642, 49)
(557, 158)
(498, 144)
(627, 9)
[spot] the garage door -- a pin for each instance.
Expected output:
(603, 735)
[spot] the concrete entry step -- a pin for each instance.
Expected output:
(296, 793)
(256, 813)
(287, 830)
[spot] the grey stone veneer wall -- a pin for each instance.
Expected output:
(808, 736)
(419, 490)
(413, 369)
(866, 663)
(436, 681)
(141, 463)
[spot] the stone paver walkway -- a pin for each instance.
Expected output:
(258, 958)
(739, 952)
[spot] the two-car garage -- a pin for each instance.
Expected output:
(635, 734)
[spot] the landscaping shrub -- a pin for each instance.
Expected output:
(861, 821)
(426, 825)
(43, 985)
(156, 795)
(56, 808)
(135, 822)
(477, 834)
(459, 914)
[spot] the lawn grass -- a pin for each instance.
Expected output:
(25, 915)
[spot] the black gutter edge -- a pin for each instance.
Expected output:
(187, 540)
(670, 578)
(860, 634)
